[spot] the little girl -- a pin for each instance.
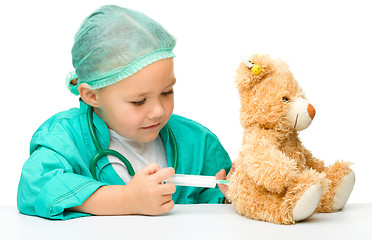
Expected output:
(124, 75)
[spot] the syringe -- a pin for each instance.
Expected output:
(195, 180)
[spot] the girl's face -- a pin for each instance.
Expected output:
(139, 106)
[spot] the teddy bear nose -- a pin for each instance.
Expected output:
(311, 111)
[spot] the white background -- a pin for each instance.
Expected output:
(327, 45)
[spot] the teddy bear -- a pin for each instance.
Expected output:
(276, 178)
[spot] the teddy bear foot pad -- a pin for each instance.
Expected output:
(307, 204)
(343, 191)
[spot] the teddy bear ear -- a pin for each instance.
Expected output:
(251, 71)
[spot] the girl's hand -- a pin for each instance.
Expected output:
(221, 175)
(147, 194)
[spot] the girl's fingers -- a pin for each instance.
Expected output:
(167, 206)
(166, 198)
(164, 174)
(168, 188)
(221, 175)
(232, 170)
(150, 169)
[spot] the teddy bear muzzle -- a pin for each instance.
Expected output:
(300, 114)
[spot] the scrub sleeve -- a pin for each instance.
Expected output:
(49, 181)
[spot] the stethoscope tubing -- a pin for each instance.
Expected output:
(101, 152)
(104, 152)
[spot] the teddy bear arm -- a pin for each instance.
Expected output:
(270, 169)
(314, 163)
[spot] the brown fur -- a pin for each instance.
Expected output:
(274, 169)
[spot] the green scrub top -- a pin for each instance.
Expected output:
(56, 176)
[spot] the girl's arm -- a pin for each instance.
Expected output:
(144, 194)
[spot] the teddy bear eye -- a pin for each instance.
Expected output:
(285, 99)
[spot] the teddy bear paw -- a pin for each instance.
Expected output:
(307, 204)
(343, 191)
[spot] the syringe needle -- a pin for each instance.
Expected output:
(219, 181)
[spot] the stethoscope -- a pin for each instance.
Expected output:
(104, 152)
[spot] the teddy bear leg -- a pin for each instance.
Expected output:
(344, 190)
(303, 196)
(296, 203)
(307, 204)
(255, 202)
(342, 182)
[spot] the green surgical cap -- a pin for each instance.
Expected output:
(113, 43)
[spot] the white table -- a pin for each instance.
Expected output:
(189, 222)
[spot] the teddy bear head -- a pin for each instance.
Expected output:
(272, 99)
